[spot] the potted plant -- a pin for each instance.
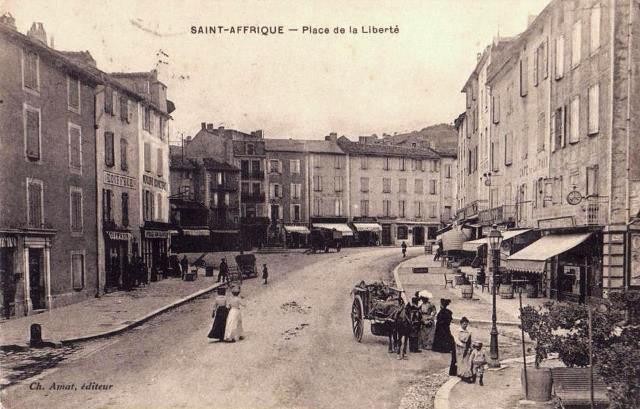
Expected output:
(535, 322)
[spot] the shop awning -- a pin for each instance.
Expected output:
(473, 245)
(296, 229)
(453, 239)
(341, 227)
(367, 226)
(534, 257)
(196, 232)
(443, 230)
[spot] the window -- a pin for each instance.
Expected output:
(32, 133)
(162, 125)
(294, 166)
(337, 162)
(108, 100)
(576, 43)
(147, 205)
(432, 187)
(107, 203)
(125, 208)
(524, 76)
(387, 163)
(592, 180)
(73, 93)
(447, 171)
(402, 185)
(574, 125)
(524, 141)
(364, 208)
(244, 187)
(215, 202)
(401, 208)
(147, 157)
(317, 183)
(124, 163)
(275, 190)
(402, 233)
(386, 207)
(75, 209)
(559, 57)
(77, 269)
(146, 119)
(594, 105)
(108, 149)
(418, 186)
(495, 158)
(417, 207)
(508, 148)
(386, 185)
(159, 215)
(35, 207)
(594, 40)
(338, 207)
(30, 71)
(542, 131)
(419, 165)
(256, 188)
(559, 123)
(124, 108)
(434, 166)
(251, 149)
(296, 188)
(337, 183)
(364, 162)
(256, 168)
(75, 148)
(403, 164)
(317, 206)
(274, 166)
(433, 210)
(160, 163)
(364, 184)
(495, 105)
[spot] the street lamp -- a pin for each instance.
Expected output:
(495, 239)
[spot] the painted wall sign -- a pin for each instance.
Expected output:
(151, 181)
(118, 235)
(114, 179)
(156, 234)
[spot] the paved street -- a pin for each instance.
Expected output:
(298, 351)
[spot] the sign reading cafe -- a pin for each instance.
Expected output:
(151, 181)
(114, 179)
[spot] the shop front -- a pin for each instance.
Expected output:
(296, 235)
(562, 266)
(9, 276)
(118, 247)
(156, 238)
(367, 231)
(512, 242)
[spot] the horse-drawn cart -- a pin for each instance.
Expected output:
(377, 303)
(247, 265)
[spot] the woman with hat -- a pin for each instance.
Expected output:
(219, 315)
(428, 315)
(443, 340)
(463, 349)
(233, 331)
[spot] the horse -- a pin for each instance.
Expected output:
(406, 321)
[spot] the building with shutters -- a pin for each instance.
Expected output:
(48, 177)
(561, 148)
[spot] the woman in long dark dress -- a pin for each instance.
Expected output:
(220, 312)
(443, 340)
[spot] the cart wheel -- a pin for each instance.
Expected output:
(357, 322)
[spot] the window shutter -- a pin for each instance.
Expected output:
(108, 149)
(559, 57)
(131, 106)
(33, 134)
(147, 157)
(35, 204)
(75, 159)
(594, 105)
(594, 40)
(574, 135)
(576, 43)
(160, 163)
(496, 109)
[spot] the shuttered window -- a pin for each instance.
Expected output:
(496, 109)
(108, 100)
(594, 106)
(559, 57)
(418, 186)
(401, 208)
(75, 203)
(30, 69)
(508, 148)
(35, 218)
(594, 40)
(364, 208)
(160, 163)
(574, 134)
(107, 205)
(524, 77)
(32, 133)
(576, 43)
(124, 160)
(317, 183)
(75, 147)
(402, 185)
(125, 209)
(147, 157)
(364, 184)
(124, 108)
(73, 93)
(109, 159)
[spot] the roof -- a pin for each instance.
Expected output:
(176, 161)
(356, 148)
(212, 164)
(447, 152)
(302, 145)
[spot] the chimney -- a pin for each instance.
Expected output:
(37, 33)
(333, 137)
(203, 125)
(8, 20)
(259, 134)
(209, 127)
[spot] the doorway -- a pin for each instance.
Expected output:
(418, 235)
(36, 278)
(7, 277)
(386, 234)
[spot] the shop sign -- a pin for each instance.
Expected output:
(557, 222)
(118, 235)
(151, 181)
(114, 179)
(8, 241)
(156, 234)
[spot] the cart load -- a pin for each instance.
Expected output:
(247, 265)
(377, 302)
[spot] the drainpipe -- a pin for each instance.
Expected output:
(96, 127)
(628, 119)
(612, 21)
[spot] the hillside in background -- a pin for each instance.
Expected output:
(439, 137)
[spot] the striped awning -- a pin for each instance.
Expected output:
(534, 257)
(473, 245)
(367, 226)
(296, 229)
(341, 227)
(453, 239)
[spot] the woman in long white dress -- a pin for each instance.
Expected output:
(233, 331)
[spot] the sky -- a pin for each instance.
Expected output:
(292, 85)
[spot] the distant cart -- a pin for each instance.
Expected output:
(247, 265)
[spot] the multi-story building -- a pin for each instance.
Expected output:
(48, 174)
(153, 164)
(287, 181)
(400, 188)
(562, 153)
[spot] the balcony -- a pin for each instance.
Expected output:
(498, 215)
(252, 197)
(256, 174)
(226, 186)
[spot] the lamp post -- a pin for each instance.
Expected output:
(495, 239)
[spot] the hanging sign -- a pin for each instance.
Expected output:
(574, 197)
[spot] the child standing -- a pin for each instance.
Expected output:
(265, 273)
(478, 361)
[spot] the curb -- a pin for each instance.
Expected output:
(441, 400)
(455, 319)
(122, 328)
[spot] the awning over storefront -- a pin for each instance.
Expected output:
(473, 245)
(453, 239)
(196, 232)
(443, 230)
(341, 227)
(367, 226)
(296, 229)
(534, 257)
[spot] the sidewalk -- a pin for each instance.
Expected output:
(477, 310)
(111, 313)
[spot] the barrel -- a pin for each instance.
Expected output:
(467, 291)
(506, 291)
(539, 384)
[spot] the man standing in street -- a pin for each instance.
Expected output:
(404, 249)
(224, 271)
(184, 265)
(265, 273)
